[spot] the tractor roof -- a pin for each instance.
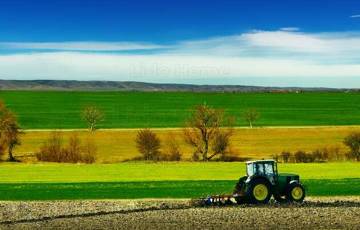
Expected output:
(261, 161)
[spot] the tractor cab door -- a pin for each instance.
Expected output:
(270, 172)
(267, 170)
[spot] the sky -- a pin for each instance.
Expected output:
(266, 43)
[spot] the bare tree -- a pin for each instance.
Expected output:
(148, 144)
(353, 142)
(92, 116)
(203, 133)
(221, 143)
(9, 131)
(250, 116)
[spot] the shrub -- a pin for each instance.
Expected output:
(285, 156)
(352, 141)
(172, 149)
(300, 156)
(53, 151)
(89, 152)
(334, 153)
(232, 158)
(276, 157)
(148, 144)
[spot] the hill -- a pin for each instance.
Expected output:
(61, 85)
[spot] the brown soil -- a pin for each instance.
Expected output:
(315, 213)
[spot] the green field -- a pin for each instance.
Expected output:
(47, 110)
(158, 180)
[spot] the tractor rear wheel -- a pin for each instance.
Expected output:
(239, 190)
(295, 192)
(259, 191)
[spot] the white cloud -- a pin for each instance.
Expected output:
(355, 16)
(291, 29)
(275, 43)
(168, 68)
(289, 55)
(80, 46)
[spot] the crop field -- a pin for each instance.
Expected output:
(48, 110)
(158, 180)
(119, 145)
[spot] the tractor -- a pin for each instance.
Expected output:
(263, 181)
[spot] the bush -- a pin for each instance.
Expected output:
(334, 153)
(233, 158)
(172, 149)
(89, 152)
(148, 144)
(300, 157)
(53, 151)
(276, 157)
(352, 141)
(285, 156)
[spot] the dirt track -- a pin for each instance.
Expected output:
(316, 213)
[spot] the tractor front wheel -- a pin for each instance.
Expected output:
(259, 191)
(295, 193)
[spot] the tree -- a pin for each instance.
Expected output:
(250, 116)
(221, 142)
(148, 144)
(353, 142)
(9, 131)
(92, 116)
(204, 133)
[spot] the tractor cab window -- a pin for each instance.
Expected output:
(250, 169)
(260, 169)
(269, 170)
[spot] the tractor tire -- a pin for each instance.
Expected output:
(240, 190)
(295, 192)
(240, 200)
(240, 186)
(259, 191)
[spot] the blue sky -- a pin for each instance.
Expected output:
(278, 43)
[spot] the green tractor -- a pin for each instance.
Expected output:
(263, 181)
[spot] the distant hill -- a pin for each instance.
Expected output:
(142, 86)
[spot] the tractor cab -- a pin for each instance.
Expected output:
(263, 168)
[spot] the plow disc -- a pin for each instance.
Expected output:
(218, 200)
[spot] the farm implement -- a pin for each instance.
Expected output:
(262, 181)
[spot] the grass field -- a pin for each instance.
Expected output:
(119, 145)
(159, 180)
(140, 109)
